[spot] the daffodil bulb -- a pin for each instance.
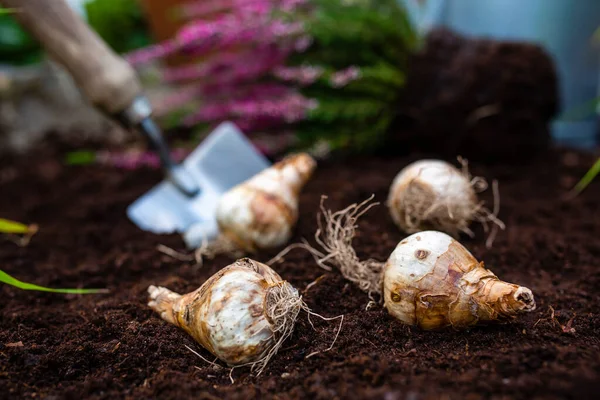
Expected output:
(433, 194)
(262, 212)
(242, 314)
(430, 280)
(433, 281)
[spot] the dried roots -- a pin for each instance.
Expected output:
(222, 245)
(209, 250)
(283, 304)
(282, 307)
(424, 210)
(481, 214)
(334, 235)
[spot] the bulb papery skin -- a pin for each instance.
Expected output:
(262, 212)
(227, 315)
(432, 281)
(432, 194)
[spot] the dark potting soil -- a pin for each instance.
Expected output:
(482, 98)
(113, 346)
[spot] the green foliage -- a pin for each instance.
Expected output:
(577, 113)
(22, 232)
(174, 118)
(120, 23)
(17, 228)
(6, 10)
(8, 226)
(82, 157)
(16, 45)
(346, 110)
(9, 280)
(587, 178)
(377, 37)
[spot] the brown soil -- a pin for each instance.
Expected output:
(482, 98)
(112, 346)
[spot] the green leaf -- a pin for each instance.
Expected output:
(120, 23)
(385, 74)
(587, 178)
(9, 280)
(359, 32)
(375, 36)
(7, 226)
(7, 10)
(17, 47)
(358, 110)
(83, 157)
(174, 118)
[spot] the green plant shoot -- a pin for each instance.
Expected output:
(17, 228)
(7, 226)
(587, 178)
(9, 280)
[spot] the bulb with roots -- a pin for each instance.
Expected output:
(260, 213)
(433, 281)
(242, 314)
(430, 280)
(433, 194)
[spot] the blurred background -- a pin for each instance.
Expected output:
(494, 79)
(564, 28)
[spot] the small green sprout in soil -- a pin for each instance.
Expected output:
(16, 228)
(19, 233)
(576, 114)
(9, 280)
(13, 227)
(587, 179)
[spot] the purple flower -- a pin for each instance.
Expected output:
(305, 75)
(344, 77)
(244, 45)
(303, 43)
(290, 108)
(151, 53)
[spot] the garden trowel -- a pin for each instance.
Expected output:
(223, 160)
(185, 202)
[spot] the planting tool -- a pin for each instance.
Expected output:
(187, 200)
(223, 160)
(108, 81)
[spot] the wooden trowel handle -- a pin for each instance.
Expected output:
(106, 79)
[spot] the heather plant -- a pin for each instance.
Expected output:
(328, 70)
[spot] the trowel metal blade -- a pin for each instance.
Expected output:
(223, 160)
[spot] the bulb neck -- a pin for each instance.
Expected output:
(296, 170)
(501, 300)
